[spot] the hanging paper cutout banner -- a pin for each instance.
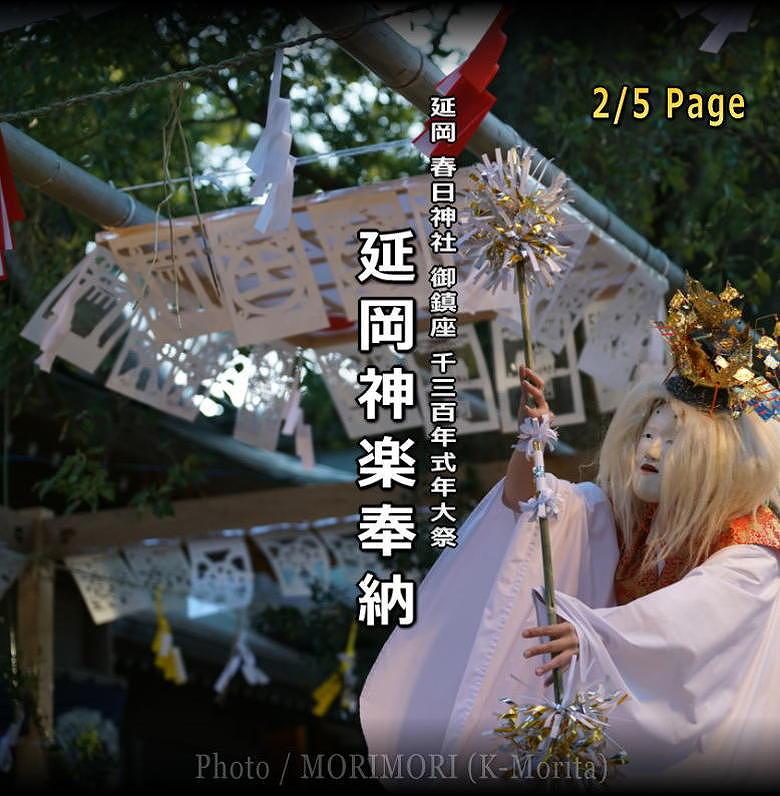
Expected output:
(170, 377)
(260, 413)
(341, 681)
(108, 586)
(336, 221)
(563, 387)
(98, 283)
(162, 567)
(271, 160)
(623, 328)
(270, 287)
(468, 84)
(10, 208)
(341, 368)
(298, 559)
(167, 656)
(472, 389)
(350, 560)
(170, 279)
(557, 314)
(241, 658)
(222, 576)
(653, 360)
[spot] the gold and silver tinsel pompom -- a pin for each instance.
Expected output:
(513, 218)
(543, 736)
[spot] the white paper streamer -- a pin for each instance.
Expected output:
(241, 658)
(544, 504)
(292, 414)
(271, 160)
(304, 444)
(59, 330)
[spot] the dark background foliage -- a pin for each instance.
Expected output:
(708, 196)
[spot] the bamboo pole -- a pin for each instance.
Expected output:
(544, 527)
(403, 68)
(46, 171)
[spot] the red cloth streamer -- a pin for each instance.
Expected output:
(10, 207)
(468, 84)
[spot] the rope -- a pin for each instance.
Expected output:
(338, 153)
(234, 62)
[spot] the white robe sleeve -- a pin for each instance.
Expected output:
(699, 660)
(430, 679)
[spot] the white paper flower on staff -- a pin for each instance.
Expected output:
(514, 218)
(546, 504)
(532, 431)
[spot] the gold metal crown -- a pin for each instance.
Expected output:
(715, 350)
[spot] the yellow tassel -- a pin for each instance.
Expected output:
(167, 657)
(327, 691)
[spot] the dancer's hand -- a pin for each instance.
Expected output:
(563, 641)
(533, 385)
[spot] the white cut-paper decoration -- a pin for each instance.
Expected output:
(416, 192)
(168, 376)
(83, 317)
(163, 567)
(337, 221)
(476, 409)
(599, 265)
(304, 444)
(654, 357)
(298, 559)
(341, 366)
(108, 586)
(11, 565)
(623, 328)
(563, 387)
(242, 659)
(351, 561)
(260, 414)
(268, 284)
(221, 576)
(271, 160)
(152, 278)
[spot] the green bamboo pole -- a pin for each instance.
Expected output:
(544, 529)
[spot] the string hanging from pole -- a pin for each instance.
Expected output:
(172, 127)
(213, 176)
(234, 62)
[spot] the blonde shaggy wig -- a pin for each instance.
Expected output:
(717, 469)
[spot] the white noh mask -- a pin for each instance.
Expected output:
(652, 447)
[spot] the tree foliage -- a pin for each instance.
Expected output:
(707, 196)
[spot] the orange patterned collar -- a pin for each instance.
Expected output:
(631, 584)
